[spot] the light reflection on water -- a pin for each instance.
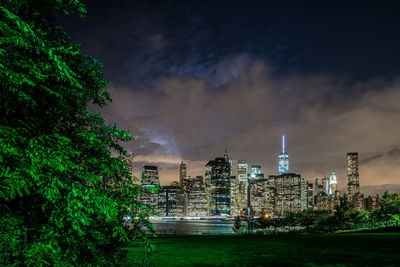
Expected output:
(193, 227)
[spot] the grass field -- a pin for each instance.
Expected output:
(346, 249)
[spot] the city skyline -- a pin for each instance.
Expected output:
(253, 171)
(324, 75)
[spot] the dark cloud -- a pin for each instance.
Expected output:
(141, 42)
(192, 78)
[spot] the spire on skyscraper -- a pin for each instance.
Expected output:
(283, 159)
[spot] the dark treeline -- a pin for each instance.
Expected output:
(344, 217)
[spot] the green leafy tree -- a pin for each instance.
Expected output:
(307, 218)
(389, 211)
(345, 215)
(65, 179)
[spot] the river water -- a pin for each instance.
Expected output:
(192, 227)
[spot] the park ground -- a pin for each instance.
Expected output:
(338, 249)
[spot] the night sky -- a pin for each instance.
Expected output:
(190, 79)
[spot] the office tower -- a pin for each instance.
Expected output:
(150, 175)
(182, 172)
(325, 184)
(171, 201)
(353, 184)
(239, 199)
(233, 194)
(261, 197)
(304, 194)
(288, 192)
(256, 171)
(242, 171)
(319, 187)
(150, 180)
(217, 174)
(187, 183)
(240, 192)
(332, 183)
(283, 160)
(197, 202)
(310, 195)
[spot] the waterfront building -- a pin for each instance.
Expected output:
(171, 201)
(239, 206)
(332, 183)
(150, 180)
(261, 193)
(283, 160)
(197, 205)
(217, 174)
(287, 192)
(353, 184)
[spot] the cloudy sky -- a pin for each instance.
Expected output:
(190, 79)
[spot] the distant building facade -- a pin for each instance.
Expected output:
(262, 196)
(217, 174)
(256, 172)
(197, 205)
(150, 181)
(372, 203)
(242, 171)
(353, 184)
(288, 193)
(182, 172)
(171, 201)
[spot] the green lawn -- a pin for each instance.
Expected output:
(354, 249)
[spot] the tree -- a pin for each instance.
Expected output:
(307, 218)
(389, 211)
(345, 215)
(65, 179)
(290, 219)
(237, 224)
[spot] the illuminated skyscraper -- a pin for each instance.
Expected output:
(255, 171)
(325, 184)
(353, 184)
(283, 164)
(197, 201)
(150, 180)
(218, 181)
(171, 201)
(243, 169)
(227, 159)
(182, 172)
(332, 183)
(150, 176)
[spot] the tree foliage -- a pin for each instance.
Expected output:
(237, 224)
(65, 179)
